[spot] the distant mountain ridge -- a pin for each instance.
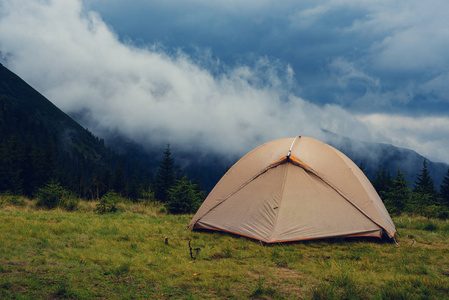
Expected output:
(370, 155)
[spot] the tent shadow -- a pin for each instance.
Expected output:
(315, 243)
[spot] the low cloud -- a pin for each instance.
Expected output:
(156, 96)
(425, 135)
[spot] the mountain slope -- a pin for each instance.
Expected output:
(39, 142)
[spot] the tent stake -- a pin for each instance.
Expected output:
(397, 245)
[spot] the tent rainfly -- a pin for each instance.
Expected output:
(295, 189)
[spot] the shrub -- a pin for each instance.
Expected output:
(108, 203)
(183, 197)
(148, 196)
(9, 198)
(69, 202)
(443, 213)
(50, 195)
(430, 227)
(430, 211)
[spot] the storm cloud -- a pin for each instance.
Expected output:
(155, 91)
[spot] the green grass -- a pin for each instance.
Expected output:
(81, 254)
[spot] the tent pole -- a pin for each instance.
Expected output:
(291, 146)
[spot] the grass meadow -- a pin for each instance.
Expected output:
(55, 254)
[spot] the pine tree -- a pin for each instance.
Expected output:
(398, 196)
(3, 168)
(134, 192)
(50, 195)
(106, 178)
(119, 181)
(424, 184)
(444, 190)
(34, 169)
(165, 176)
(183, 197)
(382, 181)
(11, 166)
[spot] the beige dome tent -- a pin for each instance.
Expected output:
(294, 189)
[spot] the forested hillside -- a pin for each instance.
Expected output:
(38, 142)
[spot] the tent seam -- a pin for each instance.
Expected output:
(280, 201)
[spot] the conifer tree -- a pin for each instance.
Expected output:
(424, 184)
(3, 169)
(444, 190)
(34, 169)
(165, 176)
(119, 181)
(398, 195)
(382, 181)
(105, 180)
(10, 169)
(134, 192)
(183, 197)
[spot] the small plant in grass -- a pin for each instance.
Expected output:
(430, 227)
(323, 291)
(108, 203)
(63, 290)
(339, 286)
(262, 289)
(121, 270)
(162, 210)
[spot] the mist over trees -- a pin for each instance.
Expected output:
(32, 157)
(45, 153)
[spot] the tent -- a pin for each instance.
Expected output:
(295, 189)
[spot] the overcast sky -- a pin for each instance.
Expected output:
(229, 75)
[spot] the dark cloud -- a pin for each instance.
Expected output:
(402, 44)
